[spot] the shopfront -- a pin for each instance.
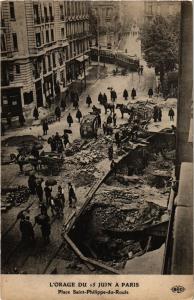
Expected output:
(11, 102)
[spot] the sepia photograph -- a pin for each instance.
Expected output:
(96, 138)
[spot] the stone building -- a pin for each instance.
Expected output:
(160, 8)
(42, 50)
(108, 22)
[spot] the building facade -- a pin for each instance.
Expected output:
(108, 22)
(160, 8)
(44, 45)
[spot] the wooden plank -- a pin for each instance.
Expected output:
(88, 260)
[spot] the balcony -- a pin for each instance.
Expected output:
(47, 19)
(62, 17)
(44, 71)
(36, 74)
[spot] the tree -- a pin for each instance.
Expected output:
(160, 39)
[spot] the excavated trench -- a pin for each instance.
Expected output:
(127, 217)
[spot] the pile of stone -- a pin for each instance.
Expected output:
(14, 197)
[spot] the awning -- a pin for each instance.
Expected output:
(82, 58)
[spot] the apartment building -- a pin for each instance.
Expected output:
(44, 45)
(107, 14)
(160, 8)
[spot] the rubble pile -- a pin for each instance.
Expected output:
(14, 197)
(74, 147)
(122, 211)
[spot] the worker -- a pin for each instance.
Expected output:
(72, 196)
(100, 98)
(65, 138)
(114, 119)
(110, 152)
(117, 139)
(150, 92)
(104, 127)
(99, 120)
(109, 119)
(113, 167)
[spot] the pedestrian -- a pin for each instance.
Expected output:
(171, 114)
(141, 70)
(105, 99)
(72, 196)
(78, 115)
(63, 104)
(21, 120)
(104, 127)
(39, 191)
(110, 152)
(61, 196)
(48, 195)
(65, 138)
(45, 126)
(88, 100)
(34, 151)
(113, 167)
(133, 94)
(75, 103)
(69, 119)
(58, 113)
(155, 114)
(125, 94)
(138, 70)
(32, 184)
(109, 119)
(29, 231)
(159, 114)
(150, 92)
(99, 120)
(46, 228)
(100, 98)
(53, 207)
(113, 95)
(60, 147)
(52, 143)
(35, 113)
(117, 139)
(114, 119)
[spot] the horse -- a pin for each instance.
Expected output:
(110, 106)
(124, 109)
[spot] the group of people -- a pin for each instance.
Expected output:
(47, 201)
(56, 142)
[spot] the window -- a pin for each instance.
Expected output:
(36, 14)
(15, 42)
(47, 36)
(12, 10)
(62, 33)
(17, 69)
(42, 34)
(3, 45)
(44, 66)
(61, 12)
(49, 62)
(50, 11)
(52, 35)
(38, 39)
(54, 60)
(45, 14)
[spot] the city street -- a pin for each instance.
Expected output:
(34, 260)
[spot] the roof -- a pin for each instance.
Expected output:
(82, 58)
